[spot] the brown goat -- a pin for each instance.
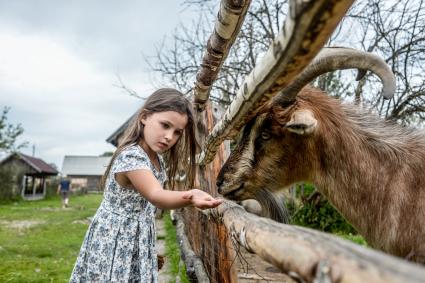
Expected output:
(372, 171)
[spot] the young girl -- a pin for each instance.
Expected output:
(120, 243)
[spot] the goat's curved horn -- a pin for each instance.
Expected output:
(339, 58)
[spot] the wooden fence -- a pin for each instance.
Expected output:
(207, 239)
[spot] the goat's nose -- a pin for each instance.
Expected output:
(219, 182)
(220, 190)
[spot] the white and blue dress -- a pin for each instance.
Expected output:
(119, 245)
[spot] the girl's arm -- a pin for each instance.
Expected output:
(149, 187)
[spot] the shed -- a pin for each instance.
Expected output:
(30, 175)
(85, 171)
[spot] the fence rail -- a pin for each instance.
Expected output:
(313, 255)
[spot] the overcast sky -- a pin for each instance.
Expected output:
(59, 62)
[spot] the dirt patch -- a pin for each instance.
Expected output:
(252, 269)
(86, 221)
(21, 224)
(163, 274)
(55, 209)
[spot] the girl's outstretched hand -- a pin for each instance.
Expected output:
(201, 199)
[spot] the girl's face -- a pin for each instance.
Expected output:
(162, 130)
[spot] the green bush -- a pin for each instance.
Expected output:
(52, 186)
(8, 186)
(316, 212)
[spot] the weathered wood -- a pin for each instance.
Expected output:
(229, 21)
(210, 240)
(306, 29)
(311, 254)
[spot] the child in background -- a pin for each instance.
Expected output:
(64, 188)
(120, 243)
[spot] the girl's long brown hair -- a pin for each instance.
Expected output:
(182, 154)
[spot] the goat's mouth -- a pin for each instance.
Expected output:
(235, 194)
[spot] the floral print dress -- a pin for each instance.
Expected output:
(119, 245)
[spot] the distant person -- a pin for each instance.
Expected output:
(64, 190)
(120, 243)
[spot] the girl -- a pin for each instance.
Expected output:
(120, 243)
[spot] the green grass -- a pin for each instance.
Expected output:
(353, 238)
(173, 250)
(45, 252)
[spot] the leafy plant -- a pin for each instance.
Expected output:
(9, 133)
(316, 212)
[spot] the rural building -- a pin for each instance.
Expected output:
(29, 175)
(85, 172)
(116, 136)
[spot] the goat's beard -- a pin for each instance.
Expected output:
(273, 205)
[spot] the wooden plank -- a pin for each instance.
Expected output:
(210, 240)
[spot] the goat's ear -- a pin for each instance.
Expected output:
(302, 122)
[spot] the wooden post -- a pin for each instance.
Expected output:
(209, 239)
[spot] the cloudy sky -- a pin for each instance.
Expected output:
(59, 62)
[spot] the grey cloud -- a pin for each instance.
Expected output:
(111, 34)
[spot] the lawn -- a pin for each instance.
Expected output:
(39, 241)
(173, 251)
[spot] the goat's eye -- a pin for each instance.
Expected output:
(265, 135)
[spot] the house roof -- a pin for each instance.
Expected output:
(84, 165)
(39, 165)
(113, 139)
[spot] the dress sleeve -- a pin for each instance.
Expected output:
(131, 159)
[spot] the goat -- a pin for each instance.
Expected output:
(372, 171)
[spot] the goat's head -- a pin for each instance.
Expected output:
(276, 148)
(267, 151)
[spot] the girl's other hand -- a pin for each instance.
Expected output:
(201, 199)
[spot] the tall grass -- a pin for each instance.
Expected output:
(173, 250)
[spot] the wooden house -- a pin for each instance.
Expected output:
(30, 175)
(84, 171)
